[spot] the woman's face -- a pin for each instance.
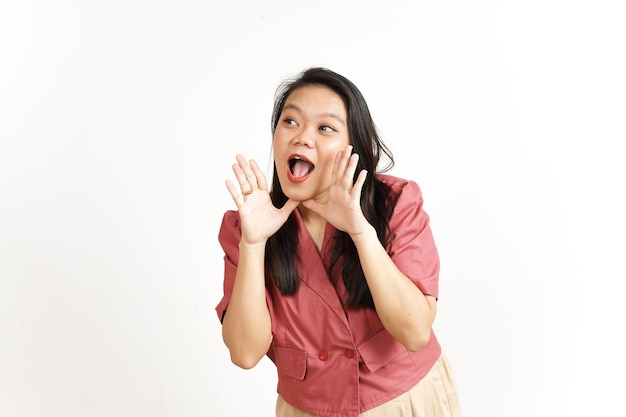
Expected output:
(311, 130)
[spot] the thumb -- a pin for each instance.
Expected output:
(290, 206)
(314, 205)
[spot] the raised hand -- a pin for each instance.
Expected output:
(343, 208)
(259, 218)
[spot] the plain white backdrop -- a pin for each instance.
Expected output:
(119, 122)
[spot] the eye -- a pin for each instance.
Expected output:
(289, 121)
(327, 128)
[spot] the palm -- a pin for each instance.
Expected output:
(343, 207)
(259, 218)
(343, 210)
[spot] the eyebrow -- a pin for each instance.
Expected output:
(328, 114)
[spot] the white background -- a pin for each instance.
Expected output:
(119, 122)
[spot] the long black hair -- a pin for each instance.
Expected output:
(377, 198)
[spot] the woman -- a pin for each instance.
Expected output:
(332, 272)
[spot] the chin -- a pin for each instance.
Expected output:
(296, 195)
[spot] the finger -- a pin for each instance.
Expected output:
(234, 193)
(244, 185)
(348, 177)
(358, 185)
(335, 173)
(290, 206)
(260, 177)
(314, 205)
(339, 166)
(250, 177)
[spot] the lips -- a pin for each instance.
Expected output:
(299, 168)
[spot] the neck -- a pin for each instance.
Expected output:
(310, 217)
(314, 224)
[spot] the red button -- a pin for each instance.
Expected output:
(349, 353)
(322, 355)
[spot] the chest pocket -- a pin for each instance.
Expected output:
(290, 362)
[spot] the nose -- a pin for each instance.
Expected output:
(304, 138)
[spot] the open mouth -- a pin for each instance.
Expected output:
(299, 168)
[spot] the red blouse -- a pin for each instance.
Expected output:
(334, 362)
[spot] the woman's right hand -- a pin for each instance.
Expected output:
(259, 218)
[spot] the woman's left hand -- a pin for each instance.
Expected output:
(343, 208)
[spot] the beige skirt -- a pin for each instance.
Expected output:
(434, 396)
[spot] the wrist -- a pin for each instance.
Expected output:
(251, 247)
(367, 233)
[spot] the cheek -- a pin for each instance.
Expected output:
(278, 141)
(276, 145)
(330, 153)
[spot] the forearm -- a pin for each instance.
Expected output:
(247, 327)
(404, 310)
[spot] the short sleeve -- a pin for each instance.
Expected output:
(413, 247)
(229, 237)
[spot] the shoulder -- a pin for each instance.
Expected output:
(230, 228)
(230, 217)
(402, 187)
(407, 200)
